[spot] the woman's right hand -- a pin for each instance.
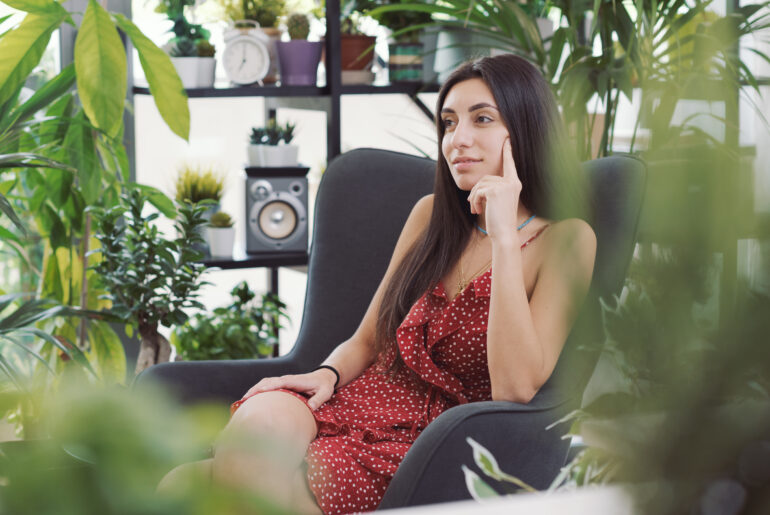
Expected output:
(319, 384)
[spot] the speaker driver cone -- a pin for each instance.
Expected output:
(277, 220)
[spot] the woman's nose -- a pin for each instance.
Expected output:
(462, 135)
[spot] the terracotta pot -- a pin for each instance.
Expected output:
(351, 48)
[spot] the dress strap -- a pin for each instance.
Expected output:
(543, 228)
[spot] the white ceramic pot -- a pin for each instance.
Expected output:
(221, 241)
(273, 155)
(195, 72)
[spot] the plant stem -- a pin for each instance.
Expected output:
(84, 282)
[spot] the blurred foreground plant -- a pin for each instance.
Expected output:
(107, 449)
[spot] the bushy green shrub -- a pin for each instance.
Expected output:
(245, 329)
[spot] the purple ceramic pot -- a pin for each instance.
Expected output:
(299, 61)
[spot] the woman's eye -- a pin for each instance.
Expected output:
(483, 119)
(447, 122)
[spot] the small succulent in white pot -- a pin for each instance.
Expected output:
(270, 146)
(221, 234)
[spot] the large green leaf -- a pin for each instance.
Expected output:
(79, 143)
(100, 62)
(165, 84)
(477, 487)
(158, 199)
(35, 6)
(22, 48)
(7, 209)
(43, 97)
(108, 351)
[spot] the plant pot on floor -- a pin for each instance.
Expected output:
(195, 72)
(273, 155)
(298, 61)
(220, 241)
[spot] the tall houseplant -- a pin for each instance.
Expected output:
(163, 275)
(60, 151)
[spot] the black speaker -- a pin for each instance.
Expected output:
(276, 209)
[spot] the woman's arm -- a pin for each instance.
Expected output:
(525, 336)
(353, 356)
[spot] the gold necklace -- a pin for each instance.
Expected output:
(462, 283)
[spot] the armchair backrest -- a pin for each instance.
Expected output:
(363, 201)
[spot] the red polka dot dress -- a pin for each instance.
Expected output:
(368, 425)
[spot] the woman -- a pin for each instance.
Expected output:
(476, 304)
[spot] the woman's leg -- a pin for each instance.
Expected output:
(263, 446)
(187, 475)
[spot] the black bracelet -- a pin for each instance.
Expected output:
(333, 370)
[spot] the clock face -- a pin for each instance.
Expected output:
(246, 60)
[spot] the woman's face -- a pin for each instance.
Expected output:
(474, 133)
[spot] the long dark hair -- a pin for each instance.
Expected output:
(545, 167)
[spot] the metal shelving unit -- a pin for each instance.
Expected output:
(331, 91)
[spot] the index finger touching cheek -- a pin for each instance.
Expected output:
(509, 165)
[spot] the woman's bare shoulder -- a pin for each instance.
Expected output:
(422, 210)
(571, 240)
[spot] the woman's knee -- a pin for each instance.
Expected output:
(274, 414)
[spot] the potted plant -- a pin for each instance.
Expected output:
(299, 57)
(197, 184)
(270, 145)
(150, 280)
(266, 13)
(220, 234)
(405, 52)
(246, 329)
(190, 50)
(356, 48)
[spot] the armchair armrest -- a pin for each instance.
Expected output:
(223, 381)
(514, 433)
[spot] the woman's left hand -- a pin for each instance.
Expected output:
(498, 198)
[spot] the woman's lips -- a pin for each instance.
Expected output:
(464, 163)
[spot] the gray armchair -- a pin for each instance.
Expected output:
(363, 201)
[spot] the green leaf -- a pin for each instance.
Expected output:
(100, 62)
(5, 300)
(165, 85)
(6, 235)
(484, 459)
(7, 209)
(45, 96)
(72, 351)
(21, 50)
(477, 487)
(79, 142)
(35, 6)
(108, 351)
(158, 199)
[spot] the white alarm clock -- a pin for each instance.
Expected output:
(246, 58)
